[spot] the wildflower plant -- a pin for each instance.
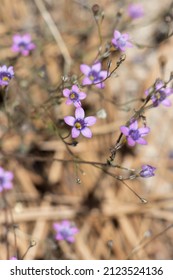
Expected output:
(74, 90)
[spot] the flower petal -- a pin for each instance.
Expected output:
(82, 95)
(130, 141)
(96, 67)
(66, 92)
(79, 113)
(75, 132)
(86, 81)
(69, 120)
(144, 131)
(75, 88)
(166, 102)
(86, 132)
(124, 130)
(134, 125)
(117, 34)
(90, 120)
(141, 141)
(85, 69)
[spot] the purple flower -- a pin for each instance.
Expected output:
(22, 44)
(74, 96)
(135, 134)
(147, 171)
(13, 258)
(94, 74)
(6, 178)
(160, 97)
(135, 11)
(120, 41)
(6, 74)
(65, 231)
(80, 123)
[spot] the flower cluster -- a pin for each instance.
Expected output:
(22, 44)
(65, 231)
(147, 171)
(6, 178)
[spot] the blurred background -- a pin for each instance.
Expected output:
(112, 221)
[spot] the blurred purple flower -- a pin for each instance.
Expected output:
(22, 44)
(6, 178)
(160, 97)
(13, 258)
(135, 134)
(120, 41)
(74, 96)
(135, 11)
(80, 123)
(65, 231)
(6, 74)
(147, 171)
(94, 75)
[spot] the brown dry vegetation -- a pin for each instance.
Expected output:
(112, 221)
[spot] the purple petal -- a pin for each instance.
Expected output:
(90, 121)
(141, 141)
(86, 81)
(134, 125)
(75, 89)
(130, 141)
(104, 74)
(124, 130)
(69, 120)
(68, 102)
(75, 132)
(86, 132)
(100, 85)
(79, 113)
(82, 95)
(117, 34)
(144, 130)
(9, 175)
(70, 239)
(56, 226)
(65, 223)
(26, 38)
(17, 38)
(166, 102)
(59, 236)
(66, 92)
(85, 69)
(96, 67)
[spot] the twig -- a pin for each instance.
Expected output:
(55, 32)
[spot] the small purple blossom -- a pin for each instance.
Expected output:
(65, 231)
(93, 74)
(13, 258)
(6, 178)
(161, 94)
(80, 123)
(74, 96)
(147, 171)
(135, 134)
(120, 41)
(135, 11)
(22, 44)
(6, 74)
